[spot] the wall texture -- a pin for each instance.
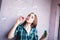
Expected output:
(54, 20)
(12, 9)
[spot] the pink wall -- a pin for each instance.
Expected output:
(12, 9)
(52, 28)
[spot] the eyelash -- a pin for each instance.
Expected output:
(29, 16)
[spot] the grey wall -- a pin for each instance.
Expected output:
(0, 3)
(12, 9)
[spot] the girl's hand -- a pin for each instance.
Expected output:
(20, 19)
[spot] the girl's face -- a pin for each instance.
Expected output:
(30, 18)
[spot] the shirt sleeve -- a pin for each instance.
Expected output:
(36, 35)
(16, 31)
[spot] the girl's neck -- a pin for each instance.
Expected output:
(28, 25)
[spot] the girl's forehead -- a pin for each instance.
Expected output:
(32, 15)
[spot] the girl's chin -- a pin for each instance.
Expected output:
(27, 21)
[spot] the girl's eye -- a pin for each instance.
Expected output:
(32, 17)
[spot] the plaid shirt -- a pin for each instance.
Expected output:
(22, 34)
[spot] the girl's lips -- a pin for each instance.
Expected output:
(27, 19)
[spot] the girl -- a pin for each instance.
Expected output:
(26, 30)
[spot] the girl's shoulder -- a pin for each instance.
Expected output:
(20, 26)
(34, 29)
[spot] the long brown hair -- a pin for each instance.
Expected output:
(34, 24)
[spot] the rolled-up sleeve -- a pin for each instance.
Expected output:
(16, 31)
(36, 35)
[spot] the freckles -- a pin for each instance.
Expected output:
(31, 20)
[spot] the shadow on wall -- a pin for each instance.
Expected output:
(0, 3)
(6, 35)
